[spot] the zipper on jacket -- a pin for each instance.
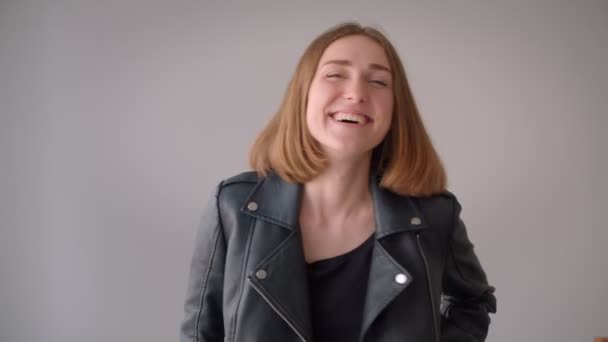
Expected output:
(428, 279)
(261, 293)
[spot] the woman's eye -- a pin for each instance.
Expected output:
(379, 83)
(334, 76)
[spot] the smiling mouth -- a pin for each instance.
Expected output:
(351, 118)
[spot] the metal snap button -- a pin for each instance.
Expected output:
(416, 221)
(401, 278)
(261, 274)
(252, 206)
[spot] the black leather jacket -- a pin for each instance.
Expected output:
(248, 275)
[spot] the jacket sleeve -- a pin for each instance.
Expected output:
(467, 298)
(203, 317)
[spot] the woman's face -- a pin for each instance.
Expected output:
(350, 100)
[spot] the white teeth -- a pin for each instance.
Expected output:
(339, 116)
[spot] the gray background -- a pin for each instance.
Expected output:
(118, 117)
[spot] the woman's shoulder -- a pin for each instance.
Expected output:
(441, 208)
(237, 186)
(242, 178)
(230, 193)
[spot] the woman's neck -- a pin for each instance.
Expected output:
(340, 192)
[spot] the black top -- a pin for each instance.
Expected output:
(337, 292)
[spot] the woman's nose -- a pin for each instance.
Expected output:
(356, 90)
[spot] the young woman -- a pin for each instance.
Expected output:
(344, 231)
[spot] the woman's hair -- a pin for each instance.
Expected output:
(405, 162)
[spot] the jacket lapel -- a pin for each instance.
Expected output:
(281, 278)
(284, 285)
(387, 278)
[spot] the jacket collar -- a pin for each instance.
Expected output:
(277, 201)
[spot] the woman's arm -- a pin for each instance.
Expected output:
(203, 319)
(468, 299)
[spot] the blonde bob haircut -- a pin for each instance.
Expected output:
(405, 162)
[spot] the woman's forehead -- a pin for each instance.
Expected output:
(356, 49)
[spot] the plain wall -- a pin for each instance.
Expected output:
(118, 118)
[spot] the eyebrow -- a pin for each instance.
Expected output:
(373, 66)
